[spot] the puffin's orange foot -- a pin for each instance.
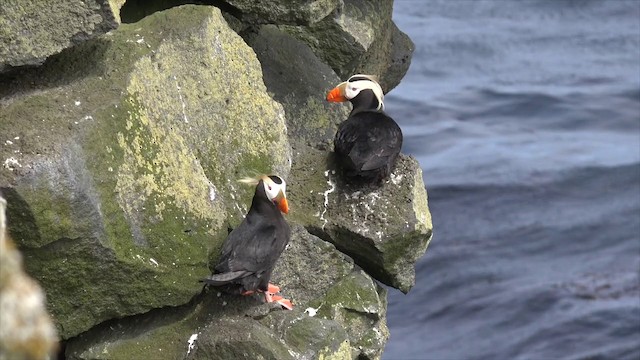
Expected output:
(272, 289)
(247, 293)
(285, 303)
(268, 297)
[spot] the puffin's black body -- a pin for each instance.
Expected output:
(251, 250)
(367, 144)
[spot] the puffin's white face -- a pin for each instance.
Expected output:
(275, 188)
(352, 87)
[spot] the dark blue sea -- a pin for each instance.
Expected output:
(525, 117)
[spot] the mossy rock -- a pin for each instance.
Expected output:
(283, 11)
(359, 37)
(124, 178)
(360, 304)
(299, 80)
(32, 30)
(385, 229)
(223, 326)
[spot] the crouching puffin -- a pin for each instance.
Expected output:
(251, 250)
(367, 144)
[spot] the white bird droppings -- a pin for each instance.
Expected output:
(11, 164)
(212, 192)
(192, 342)
(332, 188)
(153, 261)
(311, 311)
(184, 105)
(396, 179)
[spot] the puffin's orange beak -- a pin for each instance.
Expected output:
(281, 202)
(337, 93)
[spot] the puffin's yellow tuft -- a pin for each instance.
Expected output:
(373, 78)
(253, 181)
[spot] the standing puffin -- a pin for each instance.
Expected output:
(251, 250)
(367, 144)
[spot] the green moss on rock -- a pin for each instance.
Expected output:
(385, 230)
(357, 302)
(284, 11)
(232, 326)
(50, 28)
(343, 353)
(127, 181)
(300, 83)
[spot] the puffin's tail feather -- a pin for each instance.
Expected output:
(224, 278)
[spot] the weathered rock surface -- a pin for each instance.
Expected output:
(360, 37)
(125, 167)
(32, 30)
(351, 36)
(385, 230)
(299, 83)
(328, 321)
(284, 11)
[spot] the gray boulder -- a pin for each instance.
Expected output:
(339, 314)
(359, 37)
(26, 329)
(298, 80)
(118, 168)
(384, 229)
(283, 11)
(32, 30)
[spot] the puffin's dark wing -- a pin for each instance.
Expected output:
(383, 145)
(371, 140)
(224, 278)
(232, 242)
(346, 137)
(253, 248)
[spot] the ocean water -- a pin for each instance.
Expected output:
(525, 117)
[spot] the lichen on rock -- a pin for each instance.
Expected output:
(349, 321)
(32, 30)
(298, 83)
(384, 229)
(284, 11)
(139, 180)
(359, 37)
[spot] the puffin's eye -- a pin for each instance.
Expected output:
(269, 186)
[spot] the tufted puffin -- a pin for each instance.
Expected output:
(367, 144)
(251, 250)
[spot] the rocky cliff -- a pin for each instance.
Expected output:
(120, 154)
